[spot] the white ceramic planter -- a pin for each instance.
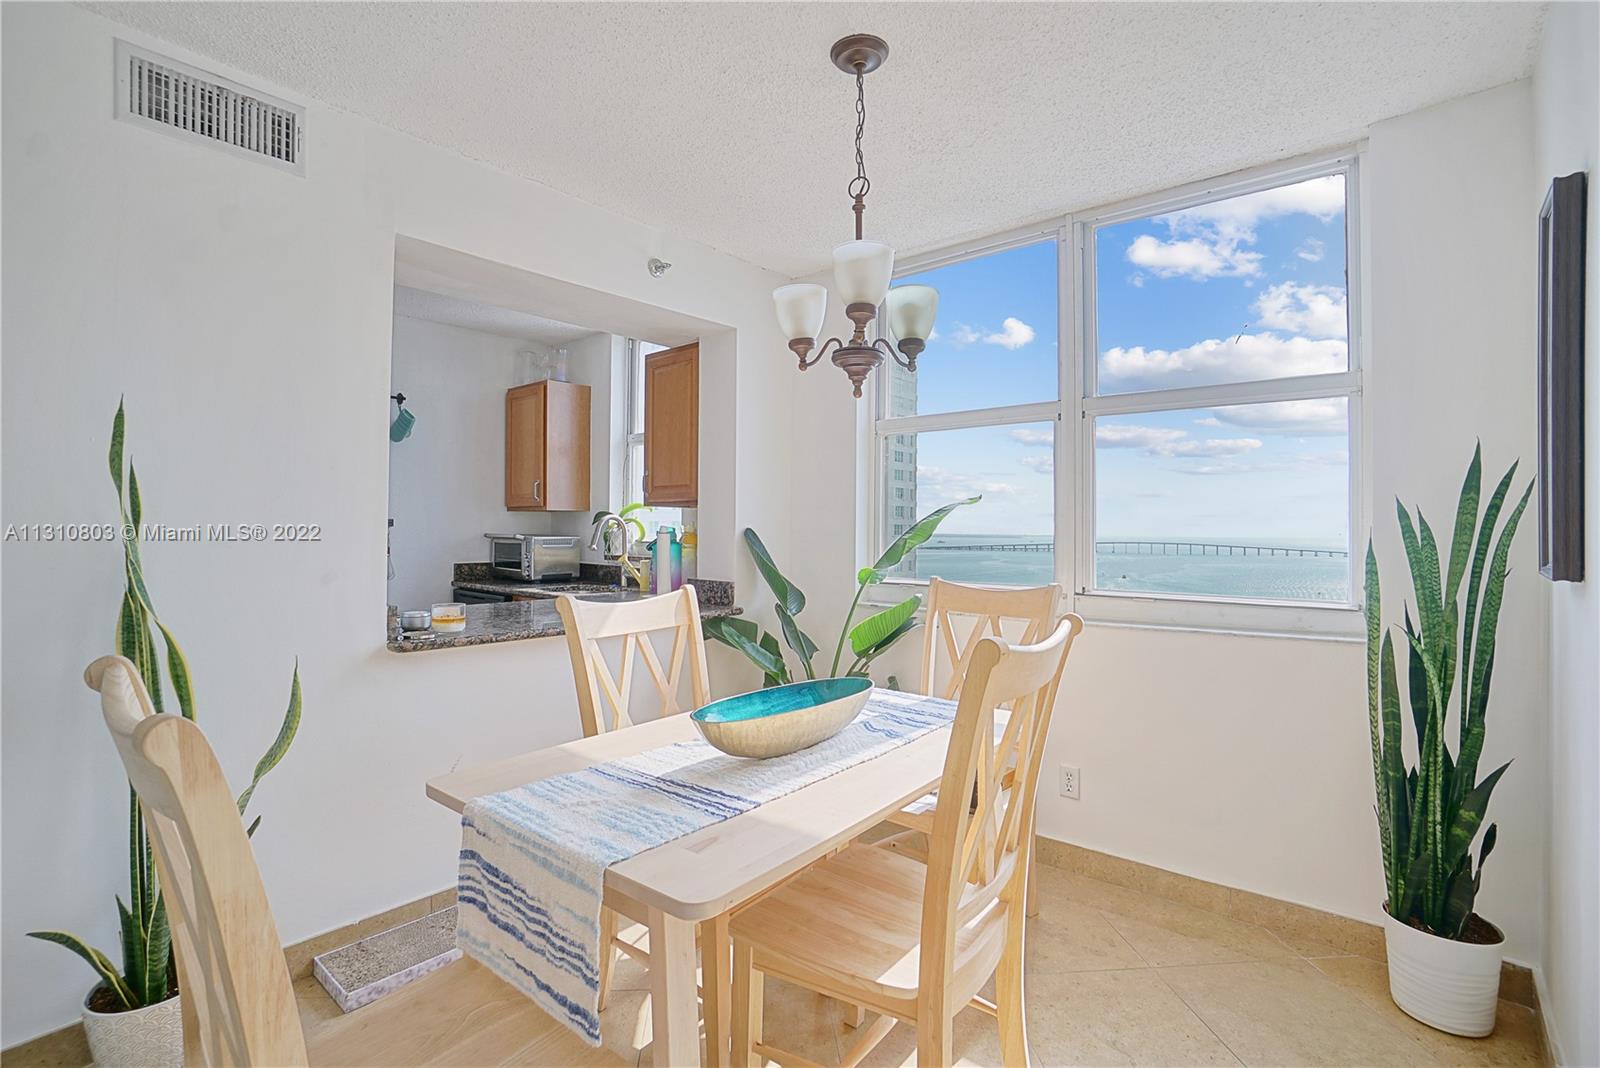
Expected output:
(1453, 986)
(151, 1037)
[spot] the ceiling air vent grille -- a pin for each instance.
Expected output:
(153, 90)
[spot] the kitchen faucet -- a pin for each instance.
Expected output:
(601, 524)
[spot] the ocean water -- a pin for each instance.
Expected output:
(1286, 578)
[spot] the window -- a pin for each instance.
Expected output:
(1197, 425)
(633, 471)
(1220, 396)
(977, 418)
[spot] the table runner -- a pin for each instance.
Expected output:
(533, 859)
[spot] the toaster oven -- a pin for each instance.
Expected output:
(533, 557)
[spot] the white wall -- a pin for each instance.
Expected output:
(1566, 89)
(1245, 760)
(447, 480)
(246, 314)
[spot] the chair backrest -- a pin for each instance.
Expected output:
(588, 623)
(959, 617)
(978, 850)
(238, 1003)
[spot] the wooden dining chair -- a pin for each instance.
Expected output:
(917, 942)
(604, 697)
(605, 703)
(959, 617)
(238, 1003)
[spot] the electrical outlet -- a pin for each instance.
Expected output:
(1071, 780)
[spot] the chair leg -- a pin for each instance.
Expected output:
(717, 991)
(936, 1040)
(608, 953)
(852, 1016)
(748, 992)
(1010, 997)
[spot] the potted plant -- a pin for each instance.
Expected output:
(131, 1016)
(1444, 959)
(869, 639)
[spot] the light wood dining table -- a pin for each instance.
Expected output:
(697, 880)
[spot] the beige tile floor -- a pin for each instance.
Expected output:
(1118, 977)
(1115, 977)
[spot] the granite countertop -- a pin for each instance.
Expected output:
(512, 621)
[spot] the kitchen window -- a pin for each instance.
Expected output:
(633, 468)
(1201, 467)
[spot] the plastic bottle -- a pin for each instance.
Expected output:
(661, 564)
(691, 550)
(677, 564)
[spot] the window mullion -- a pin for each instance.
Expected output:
(1305, 387)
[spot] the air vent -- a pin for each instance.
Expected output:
(158, 92)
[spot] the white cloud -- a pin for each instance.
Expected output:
(943, 484)
(1168, 441)
(1319, 197)
(1043, 438)
(1013, 334)
(1321, 416)
(1192, 258)
(1315, 311)
(1045, 465)
(1208, 240)
(1209, 447)
(1125, 436)
(1209, 420)
(1311, 250)
(933, 335)
(1245, 358)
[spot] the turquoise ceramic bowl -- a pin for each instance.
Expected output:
(782, 719)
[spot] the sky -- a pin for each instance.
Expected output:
(1238, 290)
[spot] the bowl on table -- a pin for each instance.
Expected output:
(781, 719)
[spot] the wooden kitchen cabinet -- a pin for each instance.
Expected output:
(547, 447)
(672, 426)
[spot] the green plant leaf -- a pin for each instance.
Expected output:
(1475, 707)
(745, 636)
(1393, 791)
(96, 959)
(250, 832)
(769, 644)
(280, 745)
(1469, 620)
(1375, 637)
(787, 593)
(178, 669)
(881, 647)
(867, 576)
(797, 639)
(870, 632)
(135, 502)
(919, 532)
(1469, 816)
(114, 459)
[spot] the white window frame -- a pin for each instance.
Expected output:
(1074, 446)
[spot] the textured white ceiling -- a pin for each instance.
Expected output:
(727, 123)
(453, 311)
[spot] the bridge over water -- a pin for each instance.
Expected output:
(1142, 548)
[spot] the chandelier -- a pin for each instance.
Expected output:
(861, 269)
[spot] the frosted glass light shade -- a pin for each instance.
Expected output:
(912, 310)
(801, 309)
(861, 271)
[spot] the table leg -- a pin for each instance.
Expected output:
(717, 988)
(675, 1014)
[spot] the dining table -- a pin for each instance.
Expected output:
(698, 880)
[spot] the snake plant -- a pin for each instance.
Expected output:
(869, 639)
(147, 975)
(1429, 815)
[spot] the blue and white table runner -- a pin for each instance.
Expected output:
(533, 859)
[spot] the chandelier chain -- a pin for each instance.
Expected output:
(860, 183)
